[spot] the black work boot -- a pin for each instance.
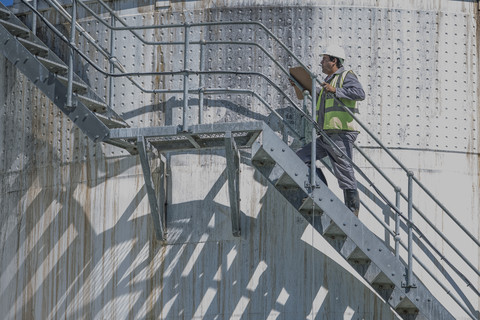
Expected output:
(352, 200)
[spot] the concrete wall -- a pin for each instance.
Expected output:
(77, 239)
(75, 232)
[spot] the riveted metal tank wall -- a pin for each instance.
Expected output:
(76, 236)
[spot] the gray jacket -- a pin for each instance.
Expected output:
(352, 89)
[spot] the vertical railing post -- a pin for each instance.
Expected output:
(200, 83)
(71, 52)
(314, 135)
(303, 123)
(34, 17)
(397, 222)
(185, 77)
(112, 65)
(410, 225)
(313, 160)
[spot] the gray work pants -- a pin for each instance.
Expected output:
(342, 168)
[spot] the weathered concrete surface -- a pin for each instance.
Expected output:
(77, 242)
(75, 232)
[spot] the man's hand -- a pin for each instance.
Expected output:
(328, 87)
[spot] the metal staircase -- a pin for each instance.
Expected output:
(367, 253)
(346, 233)
(48, 72)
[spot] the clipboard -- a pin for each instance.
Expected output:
(302, 76)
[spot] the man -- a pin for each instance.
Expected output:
(337, 123)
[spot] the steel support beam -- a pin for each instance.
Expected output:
(147, 132)
(233, 174)
(158, 213)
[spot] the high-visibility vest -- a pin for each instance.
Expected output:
(335, 117)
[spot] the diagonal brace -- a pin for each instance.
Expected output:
(233, 174)
(158, 215)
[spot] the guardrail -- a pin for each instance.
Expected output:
(316, 129)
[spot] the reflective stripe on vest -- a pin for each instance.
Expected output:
(335, 117)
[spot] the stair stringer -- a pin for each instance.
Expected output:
(46, 81)
(269, 144)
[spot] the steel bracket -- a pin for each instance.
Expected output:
(233, 174)
(157, 212)
(406, 285)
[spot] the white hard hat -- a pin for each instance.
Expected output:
(335, 50)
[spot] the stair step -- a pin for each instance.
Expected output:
(315, 220)
(293, 195)
(361, 266)
(372, 273)
(406, 308)
(15, 29)
(308, 206)
(336, 241)
(34, 48)
(332, 230)
(53, 66)
(111, 123)
(350, 251)
(275, 174)
(382, 279)
(397, 299)
(4, 14)
(384, 290)
(93, 105)
(261, 158)
(347, 249)
(285, 182)
(358, 255)
(382, 284)
(406, 304)
(262, 162)
(78, 87)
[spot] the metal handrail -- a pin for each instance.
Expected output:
(307, 117)
(424, 217)
(430, 273)
(408, 221)
(132, 28)
(181, 72)
(422, 236)
(407, 171)
(421, 185)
